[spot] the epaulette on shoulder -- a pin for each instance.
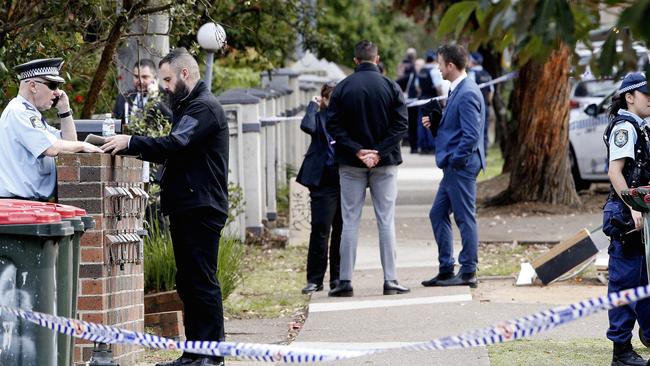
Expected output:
(29, 107)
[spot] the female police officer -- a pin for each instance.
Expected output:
(628, 140)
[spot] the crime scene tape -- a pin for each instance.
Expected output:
(501, 79)
(502, 332)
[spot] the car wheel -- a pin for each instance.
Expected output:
(580, 184)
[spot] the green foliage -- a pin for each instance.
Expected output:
(535, 28)
(271, 286)
(40, 29)
(159, 264)
(343, 23)
(227, 77)
(283, 200)
(229, 265)
(149, 121)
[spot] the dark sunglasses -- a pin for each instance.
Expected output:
(52, 85)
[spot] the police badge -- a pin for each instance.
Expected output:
(620, 138)
(36, 122)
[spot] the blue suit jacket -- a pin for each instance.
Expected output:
(460, 134)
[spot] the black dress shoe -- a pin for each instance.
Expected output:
(312, 287)
(201, 361)
(343, 289)
(461, 279)
(624, 355)
(394, 288)
(439, 277)
(333, 284)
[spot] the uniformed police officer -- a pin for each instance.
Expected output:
(28, 144)
(628, 142)
(430, 83)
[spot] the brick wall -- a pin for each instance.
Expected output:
(111, 279)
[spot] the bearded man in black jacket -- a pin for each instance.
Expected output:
(194, 193)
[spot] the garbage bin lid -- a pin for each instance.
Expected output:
(65, 211)
(15, 217)
(77, 211)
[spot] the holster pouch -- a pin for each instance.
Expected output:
(617, 224)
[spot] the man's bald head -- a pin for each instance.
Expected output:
(180, 59)
(179, 73)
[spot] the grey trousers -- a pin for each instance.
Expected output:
(383, 190)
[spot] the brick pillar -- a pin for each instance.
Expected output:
(111, 277)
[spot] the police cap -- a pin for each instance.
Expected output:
(431, 55)
(476, 57)
(632, 82)
(47, 68)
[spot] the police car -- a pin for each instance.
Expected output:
(588, 119)
(587, 152)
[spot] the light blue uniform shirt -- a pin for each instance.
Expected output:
(623, 137)
(24, 137)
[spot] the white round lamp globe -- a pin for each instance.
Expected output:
(211, 36)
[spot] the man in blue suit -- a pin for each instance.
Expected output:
(460, 154)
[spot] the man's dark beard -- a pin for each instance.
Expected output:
(178, 95)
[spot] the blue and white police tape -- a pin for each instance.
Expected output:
(501, 79)
(501, 332)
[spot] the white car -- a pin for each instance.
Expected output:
(587, 151)
(586, 92)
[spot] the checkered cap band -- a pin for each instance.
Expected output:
(633, 87)
(40, 71)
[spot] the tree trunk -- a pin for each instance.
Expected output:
(540, 166)
(105, 62)
(132, 9)
(151, 41)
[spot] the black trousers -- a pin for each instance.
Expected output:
(195, 236)
(325, 217)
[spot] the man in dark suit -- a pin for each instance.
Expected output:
(145, 89)
(460, 154)
(194, 193)
(367, 118)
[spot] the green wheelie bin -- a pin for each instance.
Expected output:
(67, 269)
(29, 244)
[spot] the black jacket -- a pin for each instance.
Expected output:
(313, 166)
(367, 111)
(195, 155)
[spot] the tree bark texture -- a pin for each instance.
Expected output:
(131, 11)
(105, 62)
(538, 159)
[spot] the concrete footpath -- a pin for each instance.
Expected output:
(370, 319)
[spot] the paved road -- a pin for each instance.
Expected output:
(371, 320)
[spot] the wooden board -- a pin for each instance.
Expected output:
(565, 256)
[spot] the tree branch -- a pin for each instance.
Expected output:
(155, 9)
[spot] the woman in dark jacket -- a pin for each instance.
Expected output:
(320, 174)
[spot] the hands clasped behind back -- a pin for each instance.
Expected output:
(368, 157)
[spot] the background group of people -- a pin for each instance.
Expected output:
(357, 131)
(420, 79)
